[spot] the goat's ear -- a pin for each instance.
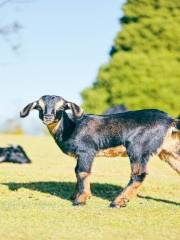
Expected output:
(76, 110)
(25, 112)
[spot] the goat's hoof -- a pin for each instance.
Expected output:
(116, 205)
(77, 203)
(81, 199)
(113, 205)
(74, 196)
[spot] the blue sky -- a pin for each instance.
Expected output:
(63, 45)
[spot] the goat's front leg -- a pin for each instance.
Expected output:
(83, 172)
(76, 190)
(138, 175)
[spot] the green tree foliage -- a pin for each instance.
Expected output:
(144, 66)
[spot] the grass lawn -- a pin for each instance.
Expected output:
(35, 204)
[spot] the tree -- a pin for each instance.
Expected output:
(144, 66)
(13, 28)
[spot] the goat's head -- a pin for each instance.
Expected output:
(50, 108)
(15, 154)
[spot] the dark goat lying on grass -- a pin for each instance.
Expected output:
(138, 134)
(14, 154)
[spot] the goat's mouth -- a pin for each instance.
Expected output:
(49, 121)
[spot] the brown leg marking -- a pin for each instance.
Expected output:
(76, 190)
(129, 191)
(172, 159)
(83, 191)
(137, 176)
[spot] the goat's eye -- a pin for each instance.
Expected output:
(60, 109)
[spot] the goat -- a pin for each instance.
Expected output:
(14, 154)
(136, 134)
(117, 109)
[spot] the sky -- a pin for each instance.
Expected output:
(63, 43)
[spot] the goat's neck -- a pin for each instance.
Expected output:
(53, 127)
(61, 129)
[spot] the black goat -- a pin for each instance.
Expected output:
(14, 154)
(138, 134)
(117, 109)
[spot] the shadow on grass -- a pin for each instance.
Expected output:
(159, 200)
(65, 190)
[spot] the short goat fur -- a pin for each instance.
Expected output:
(136, 134)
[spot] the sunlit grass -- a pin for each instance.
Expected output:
(35, 199)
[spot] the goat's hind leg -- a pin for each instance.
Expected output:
(170, 150)
(138, 174)
(173, 159)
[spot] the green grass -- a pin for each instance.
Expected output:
(35, 205)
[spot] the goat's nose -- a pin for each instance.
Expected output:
(48, 117)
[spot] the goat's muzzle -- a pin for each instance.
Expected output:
(48, 119)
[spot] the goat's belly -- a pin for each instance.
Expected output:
(119, 151)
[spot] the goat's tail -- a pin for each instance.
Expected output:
(176, 134)
(170, 151)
